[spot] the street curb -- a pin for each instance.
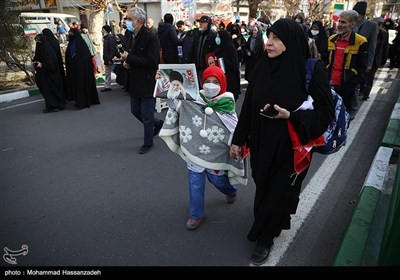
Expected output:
(18, 94)
(354, 242)
(391, 137)
(15, 94)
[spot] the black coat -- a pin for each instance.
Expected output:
(227, 51)
(382, 48)
(48, 77)
(143, 58)
(168, 42)
(56, 47)
(80, 77)
(255, 56)
(186, 41)
(204, 43)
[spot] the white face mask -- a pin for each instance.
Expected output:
(298, 20)
(211, 90)
(314, 32)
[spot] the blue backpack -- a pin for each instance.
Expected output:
(336, 134)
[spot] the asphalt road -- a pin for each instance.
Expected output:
(76, 191)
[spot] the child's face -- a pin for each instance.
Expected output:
(212, 80)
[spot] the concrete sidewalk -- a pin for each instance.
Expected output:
(15, 94)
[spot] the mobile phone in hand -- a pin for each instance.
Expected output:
(270, 113)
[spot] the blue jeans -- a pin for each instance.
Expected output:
(143, 110)
(197, 183)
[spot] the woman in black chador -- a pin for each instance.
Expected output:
(56, 47)
(48, 75)
(253, 51)
(226, 49)
(278, 170)
(81, 83)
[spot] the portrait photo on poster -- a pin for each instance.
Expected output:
(178, 81)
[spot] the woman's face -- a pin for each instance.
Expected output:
(274, 46)
(255, 31)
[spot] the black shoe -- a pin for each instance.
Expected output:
(365, 98)
(260, 253)
(158, 127)
(51, 110)
(352, 115)
(144, 149)
(106, 89)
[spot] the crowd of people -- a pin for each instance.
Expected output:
(207, 133)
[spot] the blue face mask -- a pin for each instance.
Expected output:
(129, 26)
(218, 41)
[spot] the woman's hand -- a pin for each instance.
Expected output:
(124, 55)
(282, 112)
(126, 66)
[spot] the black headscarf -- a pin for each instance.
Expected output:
(228, 52)
(226, 45)
(53, 42)
(321, 40)
(285, 75)
(48, 77)
(80, 76)
(40, 49)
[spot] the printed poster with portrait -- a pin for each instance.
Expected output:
(178, 81)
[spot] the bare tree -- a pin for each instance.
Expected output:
(291, 7)
(123, 10)
(316, 8)
(253, 8)
(96, 17)
(15, 48)
(266, 6)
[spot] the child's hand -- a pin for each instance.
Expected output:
(235, 151)
(158, 74)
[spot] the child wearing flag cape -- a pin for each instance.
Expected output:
(200, 132)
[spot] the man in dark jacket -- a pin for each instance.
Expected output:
(109, 48)
(368, 29)
(203, 44)
(142, 59)
(168, 40)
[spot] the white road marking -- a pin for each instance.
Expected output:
(21, 104)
